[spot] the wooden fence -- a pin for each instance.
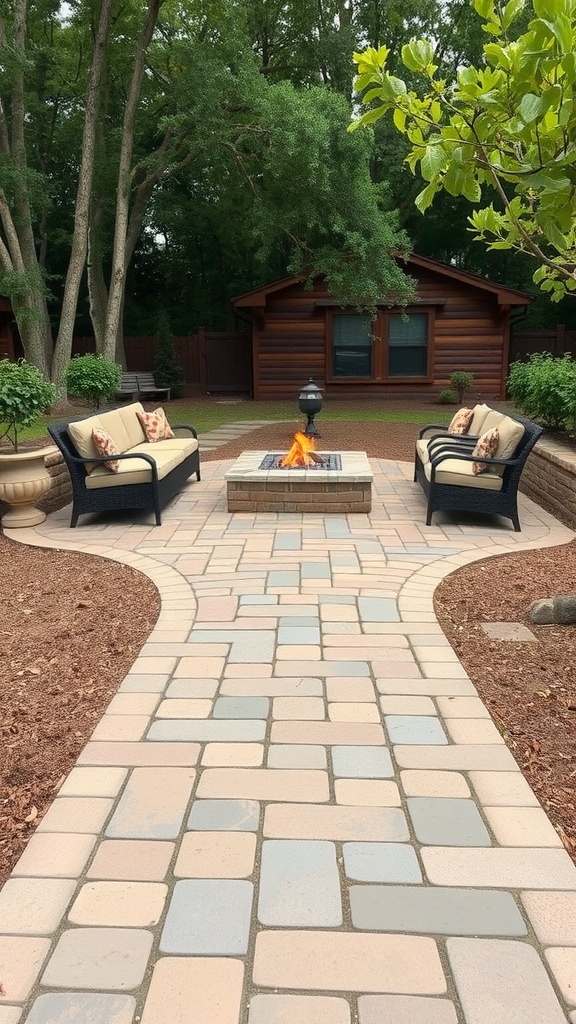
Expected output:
(212, 361)
(557, 340)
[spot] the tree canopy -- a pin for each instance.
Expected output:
(501, 134)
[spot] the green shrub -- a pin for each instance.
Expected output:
(544, 388)
(24, 395)
(93, 378)
(167, 369)
(461, 381)
(446, 397)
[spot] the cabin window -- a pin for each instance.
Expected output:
(407, 345)
(394, 346)
(352, 346)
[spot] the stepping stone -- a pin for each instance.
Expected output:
(508, 631)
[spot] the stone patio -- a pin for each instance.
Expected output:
(296, 808)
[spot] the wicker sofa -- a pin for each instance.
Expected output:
(149, 474)
(443, 465)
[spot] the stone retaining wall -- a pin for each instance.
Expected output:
(549, 478)
(60, 492)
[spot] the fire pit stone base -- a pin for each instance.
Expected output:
(346, 490)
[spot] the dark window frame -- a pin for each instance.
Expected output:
(380, 334)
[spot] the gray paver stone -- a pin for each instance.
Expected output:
(99, 958)
(299, 635)
(415, 729)
(299, 884)
(378, 609)
(224, 816)
(82, 1008)
(208, 916)
(241, 707)
(296, 755)
(381, 862)
(435, 911)
(362, 763)
(441, 821)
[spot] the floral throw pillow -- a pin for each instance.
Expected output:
(104, 445)
(155, 425)
(460, 423)
(485, 448)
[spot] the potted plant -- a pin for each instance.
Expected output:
(24, 395)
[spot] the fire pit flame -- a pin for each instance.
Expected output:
(301, 453)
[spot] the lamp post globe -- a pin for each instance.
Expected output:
(310, 403)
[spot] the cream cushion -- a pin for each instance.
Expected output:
(166, 454)
(122, 425)
(511, 433)
(458, 473)
(480, 414)
(424, 451)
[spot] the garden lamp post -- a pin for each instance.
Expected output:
(310, 403)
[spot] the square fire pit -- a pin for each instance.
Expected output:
(252, 489)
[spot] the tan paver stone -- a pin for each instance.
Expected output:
(93, 782)
(264, 784)
(55, 855)
(461, 757)
(121, 727)
(405, 1010)
(430, 783)
(216, 855)
(329, 733)
(143, 860)
(349, 962)
(314, 821)
(338, 612)
(397, 669)
(304, 652)
(140, 754)
(233, 755)
(505, 789)
(76, 814)
(99, 958)
(299, 708)
(427, 687)
(367, 793)
(284, 1009)
(351, 689)
(396, 646)
(198, 668)
(522, 826)
(353, 712)
(299, 687)
(194, 990)
(21, 958)
(132, 704)
(155, 666)
(12, 1014)
(502, 980)
(473, 730)
(462, 707)
(119, 904)
(153, 803)
(249, 671)
(34, 906)
(500, 867)
(562, 962)
(407, 706)
(216, 609)
(553, 916)
(177, 707)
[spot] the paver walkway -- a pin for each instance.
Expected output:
(296, 810)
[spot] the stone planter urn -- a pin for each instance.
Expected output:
(24, 479)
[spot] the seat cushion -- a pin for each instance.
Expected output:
(458, 473)
(423, 445)
(166, 455)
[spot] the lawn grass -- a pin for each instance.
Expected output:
(207, 413)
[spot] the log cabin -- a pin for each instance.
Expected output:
(459, 321)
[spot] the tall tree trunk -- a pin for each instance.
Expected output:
(97, 290)
(63, 348)
(118, 273)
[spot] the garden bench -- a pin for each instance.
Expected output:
(149, 474)
(443, 465)
(141, 385)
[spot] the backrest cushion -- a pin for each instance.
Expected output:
(155, 424)
(105, 446)
(480, 413)
(485, 448)
(460, 423)
(122, 426)
(511, 432)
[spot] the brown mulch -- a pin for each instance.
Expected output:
(70, 628)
